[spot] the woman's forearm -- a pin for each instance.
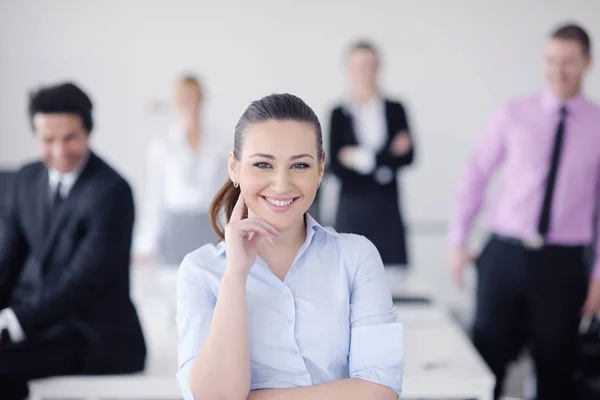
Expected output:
(346, 389)
(221, 369)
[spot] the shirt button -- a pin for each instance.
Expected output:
(294, 351)
(291, 322)
(287, 296)
(303, 379)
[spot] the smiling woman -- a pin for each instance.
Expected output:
(283, 308)
(277, 159)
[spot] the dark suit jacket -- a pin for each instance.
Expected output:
(342, 134)
(368, 206)
(6, 178)
(76, 276)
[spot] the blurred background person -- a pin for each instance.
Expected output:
(184, 170)
(532, 276)
(369, 141)
(65, 247)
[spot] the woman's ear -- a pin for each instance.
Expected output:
(321, 168)
(232, 166)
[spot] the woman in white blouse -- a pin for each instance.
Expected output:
(183, 174)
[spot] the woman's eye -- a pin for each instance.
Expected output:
(301, 166)
(262, 165)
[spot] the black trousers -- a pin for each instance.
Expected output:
(530, 298)
(50, 355)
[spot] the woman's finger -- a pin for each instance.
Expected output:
(238, 209)
(249, 229)
(274, 231)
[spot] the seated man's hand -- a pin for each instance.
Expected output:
(10, 327)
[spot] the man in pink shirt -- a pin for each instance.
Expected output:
(533, 284)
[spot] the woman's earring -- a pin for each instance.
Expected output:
(235, 184)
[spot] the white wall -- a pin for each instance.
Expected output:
(452, 62)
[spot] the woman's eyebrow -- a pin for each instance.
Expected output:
(272, 157)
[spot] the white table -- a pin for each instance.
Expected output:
(440, 361)
(153, 292)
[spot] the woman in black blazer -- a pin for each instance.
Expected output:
(369, 141)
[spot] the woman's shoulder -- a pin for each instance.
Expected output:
(207, 261)
(349, 245)
(357, 245)
(350, 252)
(393, 103)
(339, 105)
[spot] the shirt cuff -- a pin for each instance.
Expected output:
(183, 380)
(377, 355)
(364, 161)
(14, 327)
(458, 236)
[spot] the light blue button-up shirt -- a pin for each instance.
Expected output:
(331, 318)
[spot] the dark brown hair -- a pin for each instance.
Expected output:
(278, 107)
(574, 32)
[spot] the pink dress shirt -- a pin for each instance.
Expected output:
(520, 138)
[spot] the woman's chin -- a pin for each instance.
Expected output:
(281, 222)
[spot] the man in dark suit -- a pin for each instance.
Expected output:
(64, 256)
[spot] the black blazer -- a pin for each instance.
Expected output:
(341, 133)
(76, 277)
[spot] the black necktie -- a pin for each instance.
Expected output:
(58, 199)
(544, 223)
(53, 207)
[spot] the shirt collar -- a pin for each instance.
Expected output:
(179, 136)
(351, 105)
(552, 104)
(68, 179)
(312, 226)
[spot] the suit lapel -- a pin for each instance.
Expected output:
(351, 138)
(41, 198)
(69, 204)
(388, 122)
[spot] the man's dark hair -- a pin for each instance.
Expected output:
(62, 98)
(574, 32)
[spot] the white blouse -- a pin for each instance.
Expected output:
(370, 124)
(370, 127)
(178, 180)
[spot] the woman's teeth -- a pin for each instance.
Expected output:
(280, 203)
